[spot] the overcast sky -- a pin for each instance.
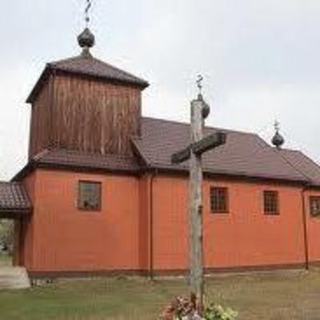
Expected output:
(260, 60)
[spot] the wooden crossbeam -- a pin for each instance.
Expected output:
(210, 142)
(181, 156)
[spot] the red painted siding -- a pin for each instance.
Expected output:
(67, 239)
(313, 229)
(61, 238)
(26, 244)
(244, 237)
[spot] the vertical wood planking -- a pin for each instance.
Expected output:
(86, 115)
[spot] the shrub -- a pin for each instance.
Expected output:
(188, 309)
(216, 312)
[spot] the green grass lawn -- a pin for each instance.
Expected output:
(285, 296)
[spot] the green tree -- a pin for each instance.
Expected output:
(6, 235)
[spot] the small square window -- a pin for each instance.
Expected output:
(315, 206)
(219, 200)
(89, 196)
(271, 202)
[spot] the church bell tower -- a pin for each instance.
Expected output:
(86, 105)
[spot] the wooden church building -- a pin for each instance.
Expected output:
(99, 194)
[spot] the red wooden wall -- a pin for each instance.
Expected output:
(61, 238)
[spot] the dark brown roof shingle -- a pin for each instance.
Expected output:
(303, 164)
(69, 158)
(90, 67)
(244, 154)
(13, 198)
(94, 67)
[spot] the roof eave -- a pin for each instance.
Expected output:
(39, 84)
(52, 68)
(228, 175)
(15, 213)
(32, 165)
(139, 84)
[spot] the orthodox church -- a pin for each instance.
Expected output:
(100, 195)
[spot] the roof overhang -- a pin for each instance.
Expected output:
(14, 201)
(51, 69)
(15, 214)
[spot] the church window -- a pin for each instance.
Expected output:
(271, 202)
(315, 206)
(219, 200)
(89, 196)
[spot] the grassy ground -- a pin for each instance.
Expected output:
(286, 296)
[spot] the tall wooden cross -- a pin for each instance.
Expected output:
(199, 145)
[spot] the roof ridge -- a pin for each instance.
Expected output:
(206, 127)
(63, 60)
(307, 157)
(118, 69)
(290, 163)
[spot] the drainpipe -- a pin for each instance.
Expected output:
(151, 262)
(305, 230)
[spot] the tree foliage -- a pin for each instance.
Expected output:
(6, 235)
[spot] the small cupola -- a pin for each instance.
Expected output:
(86, 40)
(277, 140)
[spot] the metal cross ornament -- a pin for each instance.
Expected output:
(86, 12)
(199, 83)
(193, 152)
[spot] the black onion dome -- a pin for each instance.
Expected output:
(278, 140)
(86, 39)
(205, 111)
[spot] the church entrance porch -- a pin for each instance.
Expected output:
(12, 273)
(15, 210)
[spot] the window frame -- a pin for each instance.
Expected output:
(265, 204)
(311, 199)
(79, 202)
(218, 209)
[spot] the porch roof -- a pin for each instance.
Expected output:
(14, 200)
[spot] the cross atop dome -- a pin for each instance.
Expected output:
(86, 40)
(277, 139)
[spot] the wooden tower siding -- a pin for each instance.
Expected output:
(40, 120)
(77, 113)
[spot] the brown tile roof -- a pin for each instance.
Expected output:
(87, 66)
(68, 158)
(244, 154)
(13, 198)
(75, 160)
(303, 164)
